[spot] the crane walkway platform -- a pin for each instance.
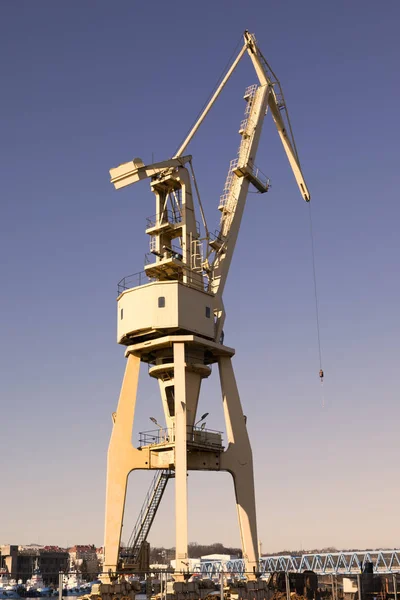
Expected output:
(197, 439)
(255, 176)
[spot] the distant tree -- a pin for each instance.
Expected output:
(84, 569)
(162, 555)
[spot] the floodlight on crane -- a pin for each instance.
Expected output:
(201, 419)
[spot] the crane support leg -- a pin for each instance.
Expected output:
(122, 459)
(181, 519)
(238, 460)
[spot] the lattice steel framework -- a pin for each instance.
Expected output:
(337, 563)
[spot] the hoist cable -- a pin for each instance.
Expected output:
(315, 288)
(321, 373)
(203, 217)
(224, 70)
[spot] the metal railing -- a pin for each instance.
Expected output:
(250, 90)
(134, 280)
(197, 279)
(243, 125)
(146, 517)
(166, 216)
(258, 174)
(333, 563)
(217, 237)
(195, 435)
(155, 436)
(223, 199)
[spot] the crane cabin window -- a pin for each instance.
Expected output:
(161, 302)
(208, 312)
(170, 395)
(122, 313)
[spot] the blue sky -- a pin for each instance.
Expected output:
(88, 85)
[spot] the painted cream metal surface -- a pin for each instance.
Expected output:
(135, 170)
(181, 406)
(174, 322)
(164, 306)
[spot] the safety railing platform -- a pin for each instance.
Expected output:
(260, 181)
(134, 280)
(166, 217)
(207, 439)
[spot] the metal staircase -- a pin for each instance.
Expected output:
(130, 555)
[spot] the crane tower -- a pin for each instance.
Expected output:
(171, 316)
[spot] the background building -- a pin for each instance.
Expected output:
(84, 560)
(100, 557)
(20, 561)
(8, 559)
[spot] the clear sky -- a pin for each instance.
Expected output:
(88, 85)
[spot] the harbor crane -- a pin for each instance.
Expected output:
(171, 316)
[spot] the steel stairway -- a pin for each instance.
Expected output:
(130, 555)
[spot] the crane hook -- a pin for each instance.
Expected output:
(321, 375)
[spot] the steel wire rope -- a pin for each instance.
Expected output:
(316, 301)
(203, 216)
(240, 41)
(284, 107)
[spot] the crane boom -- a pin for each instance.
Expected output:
(242, 171)
(265, 74)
